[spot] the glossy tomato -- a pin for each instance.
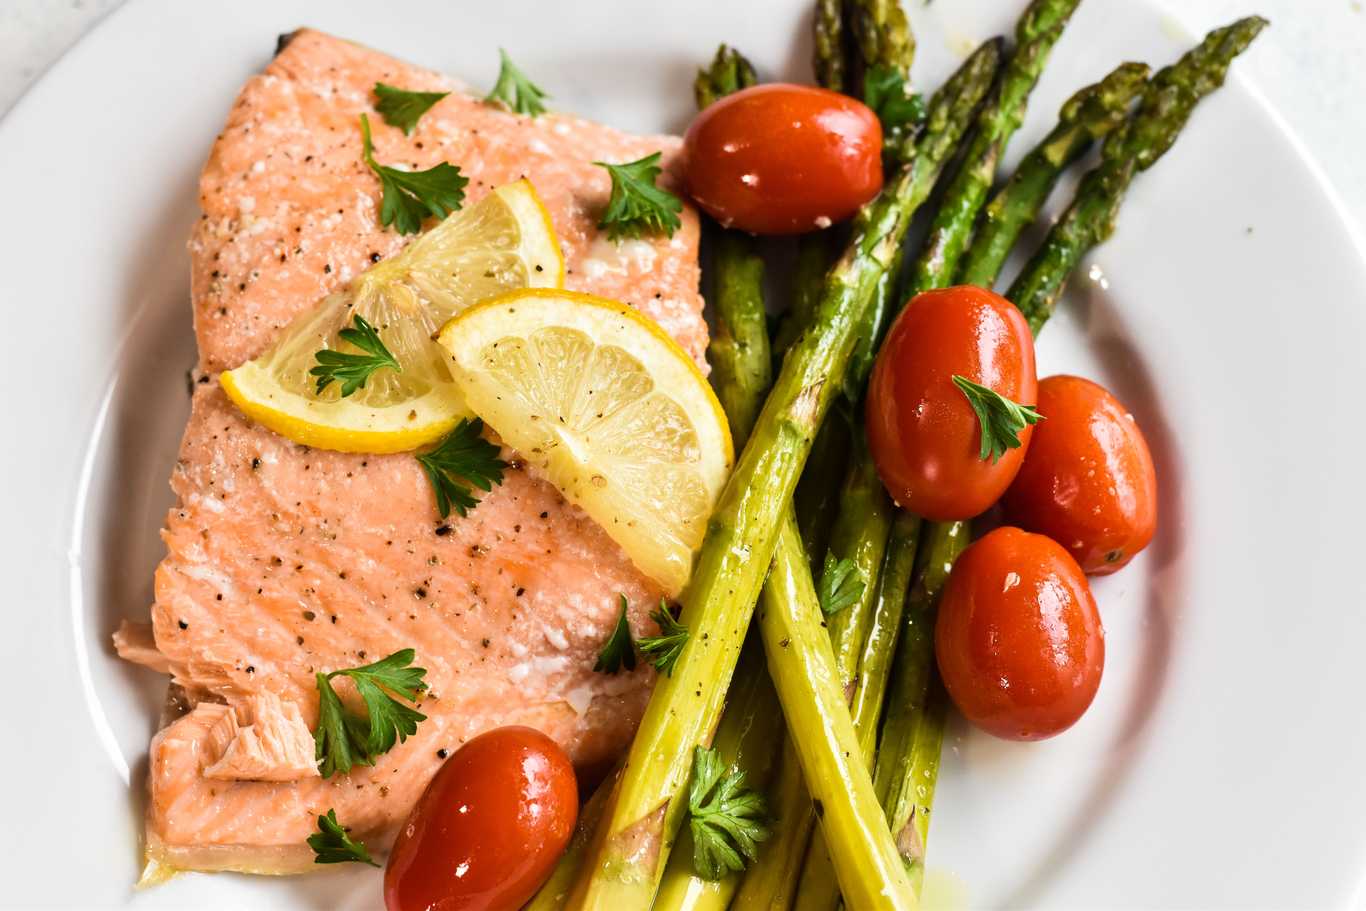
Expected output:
(1088, 481)
(489, 828)
(784, 159)
(1019, 642)
(924, 435)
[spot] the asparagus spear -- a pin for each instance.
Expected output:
(827, 57)
(1166, 106)
(810, 688)
(880, 36)
(819, 888)
(729, 72)
(1035, 34)
(902, 794)
(646, 808)
(911, 758)
(1090, 114)
(554, 892)
(741, 373)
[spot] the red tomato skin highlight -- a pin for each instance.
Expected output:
(783, 159)
(489, 828)
(925, 437)
(1088, 481)
(1018, 639)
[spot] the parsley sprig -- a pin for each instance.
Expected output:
(840, 585)
(515, 90)
(618, 651)
(353, 370)
(402, 108)
(344, 739)
(1000, 418)
(637, 205)
(460, 462)
(333, 844)
(727, 819)
(410, 196)
(900, 111)
(663, 650)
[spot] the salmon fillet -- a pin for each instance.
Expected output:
(284, 561)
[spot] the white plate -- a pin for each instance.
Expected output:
(1221, 765)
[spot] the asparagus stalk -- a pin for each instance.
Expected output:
(902, 794)
(819, 888)
(908, 758)
(729, 72)
(1037, 31)
(1166, 106)
(812, 694)
(827, 57)
(741, 373)
(647, 808)
(1090, 114)
(880, 36)
(554, 892)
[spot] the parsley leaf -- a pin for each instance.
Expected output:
(352, 370)
(402, 108)
(344, 739)
(514, 90)
(900, 111)
(1000, 418)
(464, 459)
(727, 819)
(841, 584)
(410, 196)
(333, 843)
(663, 650)
(637, 205)
(619, 651)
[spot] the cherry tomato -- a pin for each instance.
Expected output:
(784, 159)
(1088, 480)
(489, 828)
(1019, 641)
(924, 435)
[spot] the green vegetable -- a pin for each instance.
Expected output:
(818, 887)
(344, 739)
(618, 651)
(1090, 114)
(1000, 419)
(637, 205)
(514, 90)
(353, 370)
(1035, 34)
(729, 72)
(1165, 108)
(402, 108)
(461, 461)
(840, 584)
(726, 819)
(812, 692)
(742, 367)
(663, 650)
(333, 843)
(410, 196)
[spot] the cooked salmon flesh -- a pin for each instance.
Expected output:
(283, 561)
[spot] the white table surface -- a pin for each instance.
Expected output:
(1310, 66)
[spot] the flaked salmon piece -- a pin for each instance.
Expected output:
(284, 561)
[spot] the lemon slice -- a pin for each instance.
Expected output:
(609, 407)
(503, 242)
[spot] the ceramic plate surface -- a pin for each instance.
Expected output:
(1221, 764)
